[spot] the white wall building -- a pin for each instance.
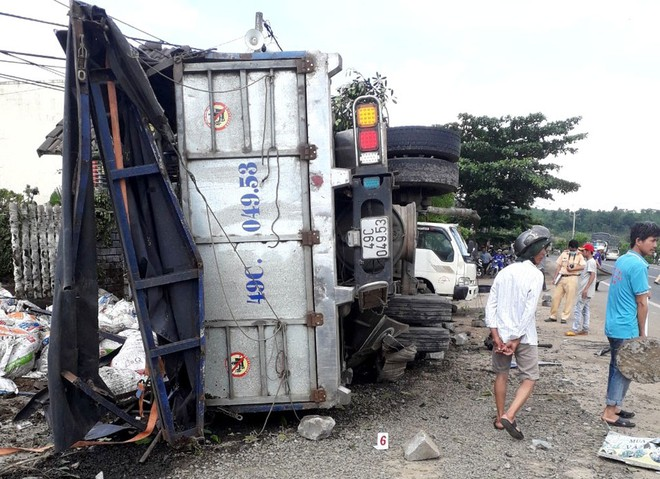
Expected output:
(27, 114)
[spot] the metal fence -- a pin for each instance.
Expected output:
(34, 236)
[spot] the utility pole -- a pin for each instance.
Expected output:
(573, 233)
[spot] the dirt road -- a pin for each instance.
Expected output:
(452, 401)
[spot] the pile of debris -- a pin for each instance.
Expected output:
(24, 342)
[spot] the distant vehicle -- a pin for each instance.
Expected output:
(612, 254)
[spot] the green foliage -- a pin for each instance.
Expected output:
(444, 201)
(56, 197)
(616, 222)
(503, 168)
(6, 261)
(105, 221)
(342, 102)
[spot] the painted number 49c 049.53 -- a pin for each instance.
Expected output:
(374, 232)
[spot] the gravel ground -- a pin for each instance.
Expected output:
(450, 400)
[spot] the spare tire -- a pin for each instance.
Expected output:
(427, 340)
(419, 309)
(432, 176)
(429, 141)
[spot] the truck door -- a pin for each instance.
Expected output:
(436, 259)
(243, 124)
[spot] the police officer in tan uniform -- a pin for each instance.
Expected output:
(569, 265)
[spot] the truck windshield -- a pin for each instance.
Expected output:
(437, 241)
(459, 241)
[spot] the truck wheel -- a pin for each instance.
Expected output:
(427, 339)
(420, 309)
(434, 177)
(427, 141)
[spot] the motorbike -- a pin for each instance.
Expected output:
(493, 268)
(480, 267)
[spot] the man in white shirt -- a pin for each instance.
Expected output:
(585, 291)
(511, 316)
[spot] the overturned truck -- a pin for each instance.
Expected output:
(267, 256)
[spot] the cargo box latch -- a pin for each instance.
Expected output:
(307, 152)
(314, 319)
(310, 238)
(305, 65)
(318, 395)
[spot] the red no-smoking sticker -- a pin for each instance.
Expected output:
(221, 116)
(240, 365)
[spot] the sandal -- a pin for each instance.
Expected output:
(626, 414)
(620, 422)
(512, 428)
(496, 426)
(571, 333)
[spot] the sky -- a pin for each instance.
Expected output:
(594, 59)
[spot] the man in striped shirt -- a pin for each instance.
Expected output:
(511, 316)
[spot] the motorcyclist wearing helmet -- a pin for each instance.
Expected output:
(511, 316)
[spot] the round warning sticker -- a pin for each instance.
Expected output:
(240, 365)
(221, 116)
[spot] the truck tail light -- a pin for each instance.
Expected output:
(369, 132)
(368, 140)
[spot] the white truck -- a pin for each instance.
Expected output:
(443, 263)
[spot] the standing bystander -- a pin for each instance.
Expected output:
(511, 317)
(626, 314)
(586, 290)
(569, 265)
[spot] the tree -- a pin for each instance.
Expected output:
(56, 197)
(503, 168)
(30, 192)
(342, 102)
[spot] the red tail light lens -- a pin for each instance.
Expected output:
(368, 140)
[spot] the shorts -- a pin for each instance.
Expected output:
(527, 359)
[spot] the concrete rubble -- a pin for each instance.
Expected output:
(421, 448)
(314, 427)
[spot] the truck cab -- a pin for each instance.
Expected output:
(442, 261)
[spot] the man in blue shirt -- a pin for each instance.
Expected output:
(626, 314)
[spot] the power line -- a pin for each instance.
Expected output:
(49, 70)
(32, 19)
(23, 63)
(32, 82)
(19, 91)
(31, 55)
(272, 35)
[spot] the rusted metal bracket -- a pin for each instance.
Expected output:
(97, 395)
(305, 65)
(307, 152)
(318, 395)
(314, 319)
(310, 238)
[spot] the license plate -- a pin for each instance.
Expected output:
(375, 235)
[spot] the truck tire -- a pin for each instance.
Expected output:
(404, 141)
(434, 177)
(420, 309)
(427, 339)
(429, 141)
